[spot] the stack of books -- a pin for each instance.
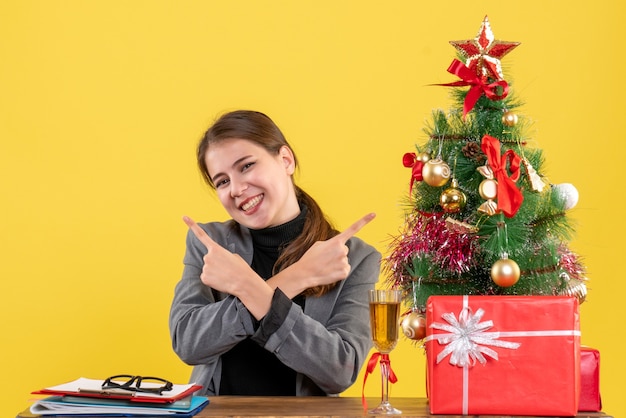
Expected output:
(89, 397)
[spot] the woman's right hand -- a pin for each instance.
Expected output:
(324, 263)
(229, 273)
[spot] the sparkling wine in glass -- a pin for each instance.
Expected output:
(384, 318)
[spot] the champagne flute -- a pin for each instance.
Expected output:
(384, 318)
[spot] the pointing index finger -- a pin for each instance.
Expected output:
(199, 232)
(355, 227)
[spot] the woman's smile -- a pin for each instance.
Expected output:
(250, 205)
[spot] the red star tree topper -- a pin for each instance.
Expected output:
(484, 52)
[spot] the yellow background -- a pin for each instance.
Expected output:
(102, 103)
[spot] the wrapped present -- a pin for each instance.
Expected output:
(590, 400)
(503, 355)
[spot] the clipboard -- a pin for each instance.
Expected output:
(92, 388)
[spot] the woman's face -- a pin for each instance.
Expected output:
(254, 186)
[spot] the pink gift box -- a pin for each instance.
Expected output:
(590, 400)
(503, 355)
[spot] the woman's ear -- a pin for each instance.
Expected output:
(288, 159)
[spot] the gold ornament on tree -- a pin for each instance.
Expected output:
(536, 183)
(453, 199)
(574, 287)
(423, 157)
(505, 272)
(436, 172)
(413, 324)
(509, 119)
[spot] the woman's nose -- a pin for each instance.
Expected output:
(237, 187)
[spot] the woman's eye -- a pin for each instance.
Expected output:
(246, 166)
(220, 183)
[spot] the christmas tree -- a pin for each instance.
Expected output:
(481, 216)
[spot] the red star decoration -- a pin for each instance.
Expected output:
(484, 52)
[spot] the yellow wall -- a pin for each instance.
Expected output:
(102, 102)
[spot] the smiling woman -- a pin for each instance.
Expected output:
(263, 293)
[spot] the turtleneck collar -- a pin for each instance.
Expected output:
(279, 236)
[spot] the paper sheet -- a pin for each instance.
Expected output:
(84, 384)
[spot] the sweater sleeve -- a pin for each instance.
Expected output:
(204, 323)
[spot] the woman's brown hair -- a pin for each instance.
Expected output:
(260, 129)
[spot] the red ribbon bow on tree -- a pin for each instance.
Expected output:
(478, 85)
(510, 198)
(410, 160)
(371, 365)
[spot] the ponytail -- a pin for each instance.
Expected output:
(316, 228)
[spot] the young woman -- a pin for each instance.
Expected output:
(273, 301)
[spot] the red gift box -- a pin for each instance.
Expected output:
(590, 400)
(503, 355)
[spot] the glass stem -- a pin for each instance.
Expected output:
(384, 373)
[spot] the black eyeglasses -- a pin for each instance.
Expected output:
(141, 384)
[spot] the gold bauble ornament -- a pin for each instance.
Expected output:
(423, 157)
(452, 199)
(574, 287)
(436, 172)
(509, 119)
(505, 272)
(414, 325)
(577, 289)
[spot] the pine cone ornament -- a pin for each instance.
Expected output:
(473, 152)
